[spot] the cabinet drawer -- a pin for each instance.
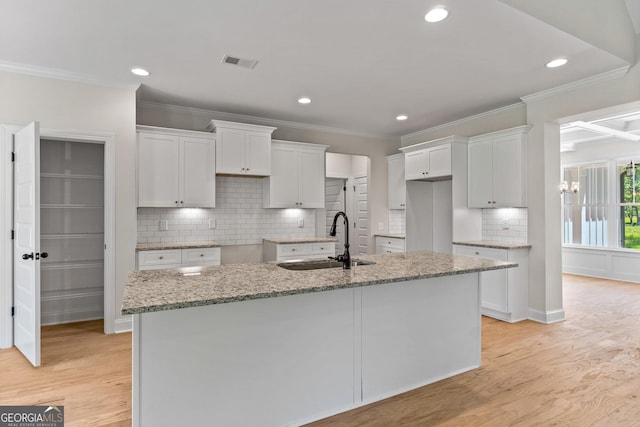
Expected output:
(328, 248)
(159, 259)
(201, 256)
(477, 252)
(390, 244)
(296, 249)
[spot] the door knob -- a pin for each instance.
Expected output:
(44, 255)
(27, 256)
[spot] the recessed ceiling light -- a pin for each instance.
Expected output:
(304, 100)
(558, 62)
(436, 14)
(402, 117)
(140, 71)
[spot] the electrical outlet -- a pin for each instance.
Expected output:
(381, 226)
(212, 224)
(164, 224)
(301, 222)
(505, 223)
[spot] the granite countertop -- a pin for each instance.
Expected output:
(158, 290)
(176, 245)
(282, 241)
(494, 244)
(391, 235)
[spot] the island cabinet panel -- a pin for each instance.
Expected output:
(290, 360)
(267, 362)
(405, 345)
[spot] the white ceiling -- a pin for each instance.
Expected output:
(362, 62)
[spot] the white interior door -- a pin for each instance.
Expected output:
(334, 203)
(361, 217)
(26, 256)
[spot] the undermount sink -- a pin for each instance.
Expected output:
(317, 264)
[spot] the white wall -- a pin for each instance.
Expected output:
(65, 105)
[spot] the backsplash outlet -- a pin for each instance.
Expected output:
(505, 225)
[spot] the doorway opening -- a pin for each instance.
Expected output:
(71, 231)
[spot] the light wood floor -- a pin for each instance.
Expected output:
(581, 372)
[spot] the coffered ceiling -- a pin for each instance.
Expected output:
(361, 62)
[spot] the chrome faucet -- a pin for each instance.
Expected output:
(345, 258)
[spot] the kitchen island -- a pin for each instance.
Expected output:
(256, 344)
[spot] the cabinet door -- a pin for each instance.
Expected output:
(480, 185)
(397, 185)
(508, 171)
(198, 172)
(416, 165)
(229, 151)
(284, 182)
(158, 170)
(439, 161)
(257, 153)
(312, 179)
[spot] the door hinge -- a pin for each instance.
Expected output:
(13, 156)
(344, 188)
(13, 234)
(13, 311)
(354, 188)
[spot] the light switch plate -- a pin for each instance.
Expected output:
(301, 222)
(164, 224)
(212, 224)
(505, 223)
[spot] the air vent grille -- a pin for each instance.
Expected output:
(241, 62)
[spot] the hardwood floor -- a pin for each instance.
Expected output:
(83, 369)
(583, 371)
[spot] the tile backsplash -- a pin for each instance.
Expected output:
(495, 220)
(239, 218)
(397, 222)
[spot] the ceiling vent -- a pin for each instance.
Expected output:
(241, 62)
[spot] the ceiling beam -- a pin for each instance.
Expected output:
(606, 130)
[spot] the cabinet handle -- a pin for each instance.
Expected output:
(176, 202)
(161, 257)
(322, 249)
(181, 202)
(477, 253)
(293, 250)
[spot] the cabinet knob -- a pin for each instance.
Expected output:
(477, 253)
(489, 202)
(176, 202)
(201, 254)
(161, 257)
(293, 250)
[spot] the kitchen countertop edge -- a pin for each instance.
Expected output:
(494, 244)
(160, 290)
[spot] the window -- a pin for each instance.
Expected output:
(628, 204)
(585, 212)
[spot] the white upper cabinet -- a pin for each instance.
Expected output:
(426, 162)
(498, 169)
(297, 176)
(397, 185)
(242, 149)
(175, 168)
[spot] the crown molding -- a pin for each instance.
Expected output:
(263, 121)
(58, 74)
(588, 81)
(459, 122)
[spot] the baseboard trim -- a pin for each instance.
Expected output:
(122, 325)
(546, 317)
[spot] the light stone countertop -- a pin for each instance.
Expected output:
(284, 241)
(176, 245)
(158, 290)
(494, 244)
(391, 235)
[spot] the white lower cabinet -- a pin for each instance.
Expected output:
(290, 251)
(504, 293)
(176, 258)
(389, 245)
